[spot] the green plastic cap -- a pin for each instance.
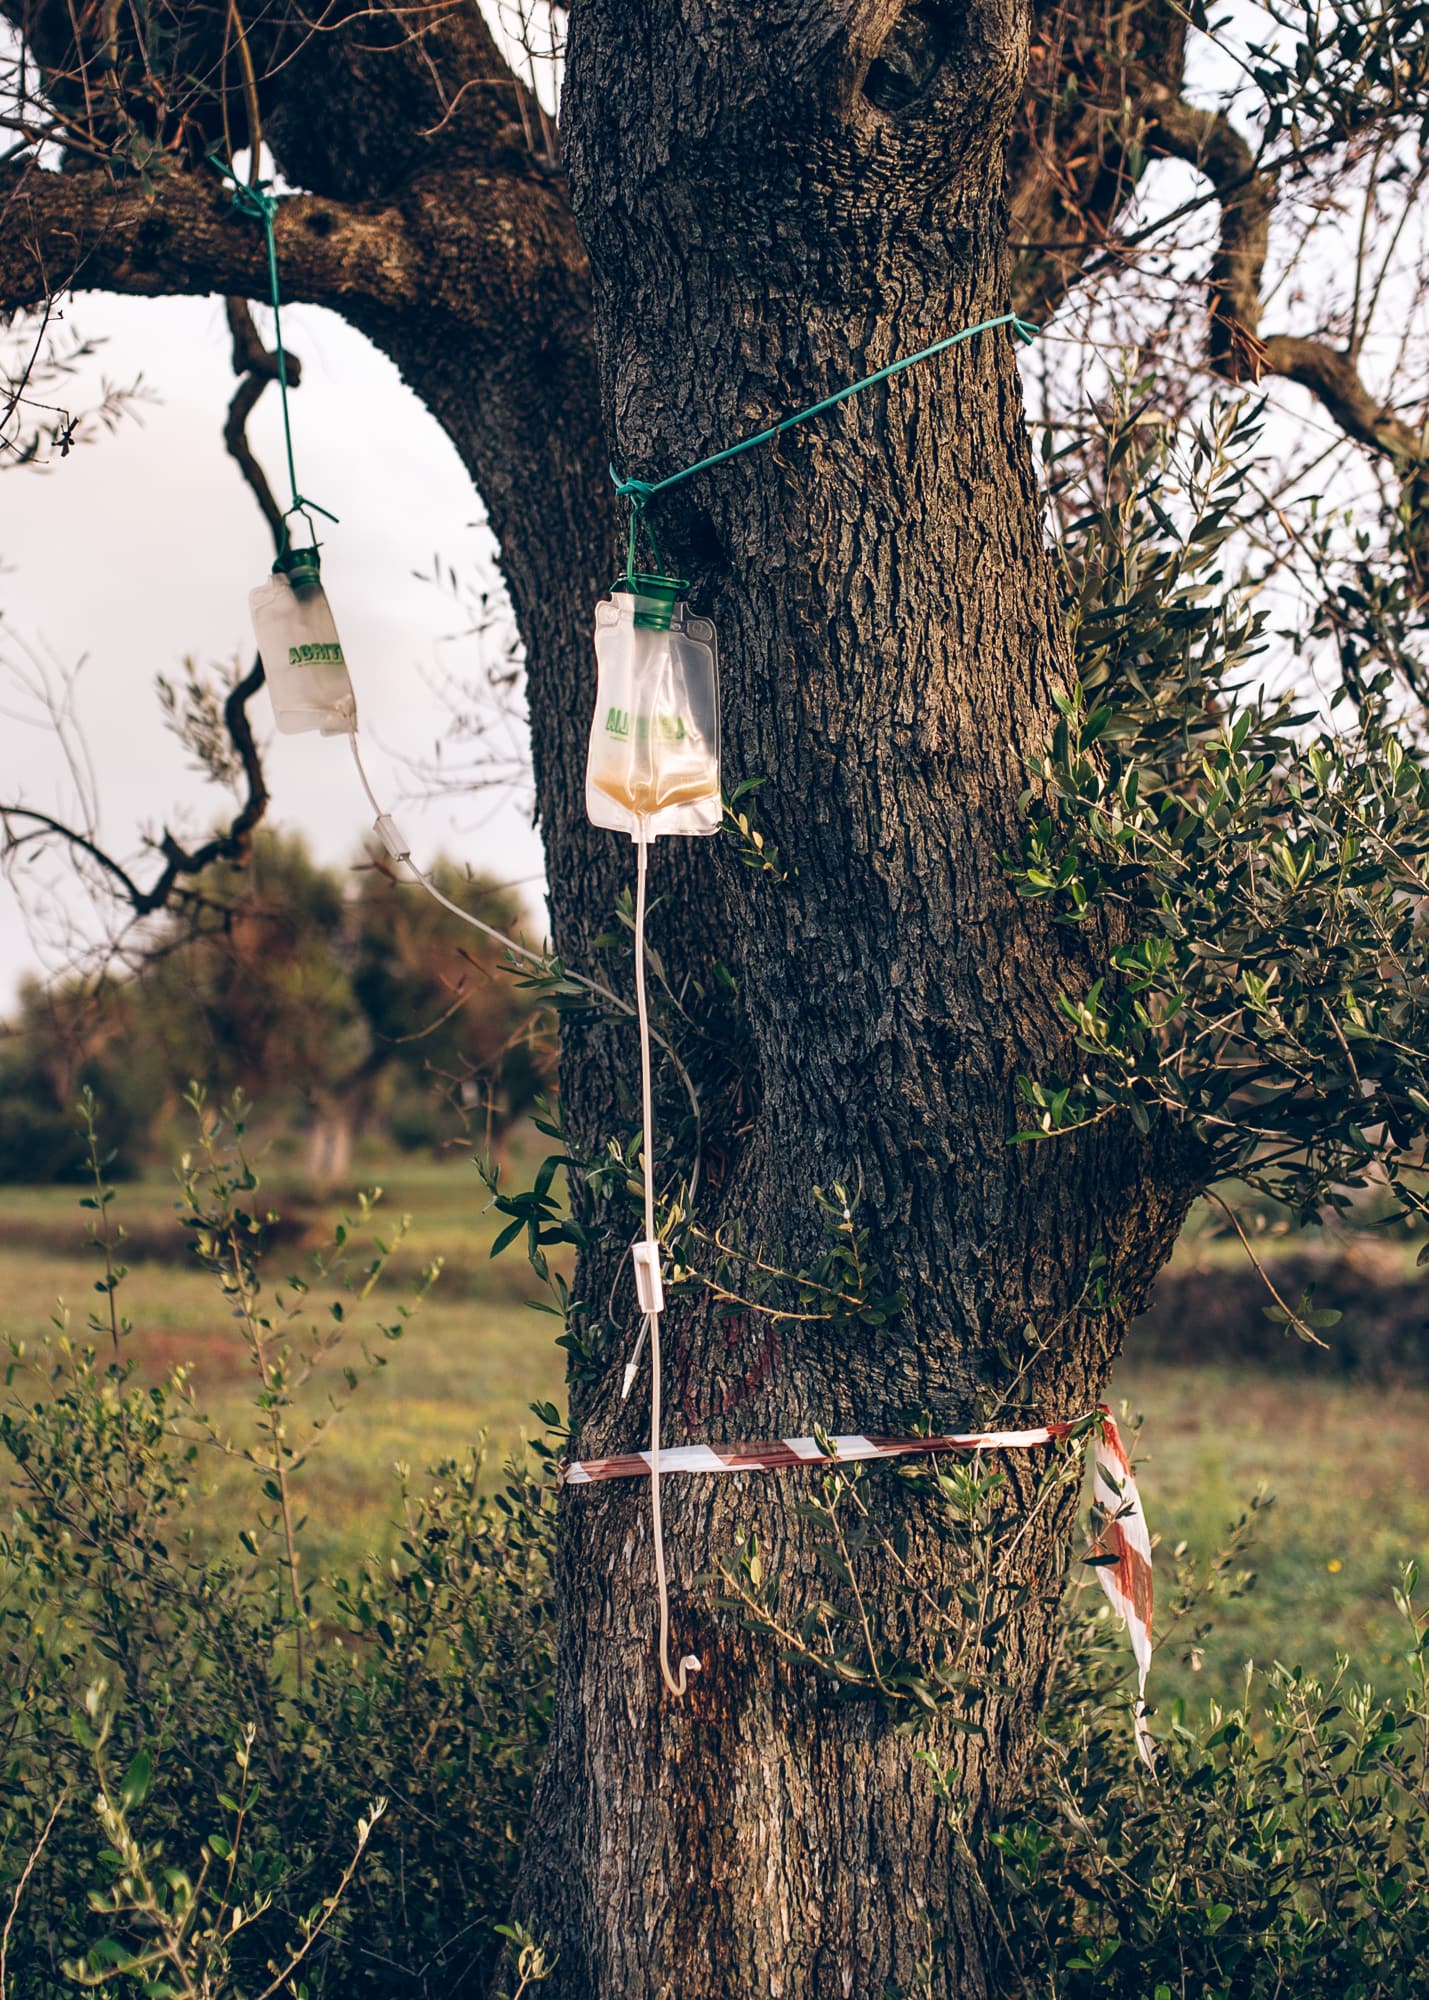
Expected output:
(655, 598)
(302, 567)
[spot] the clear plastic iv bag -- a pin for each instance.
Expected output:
(653, 762)
(302, 656)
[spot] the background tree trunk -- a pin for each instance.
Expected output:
(771, 209)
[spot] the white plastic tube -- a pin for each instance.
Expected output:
(648, 1284)
(646, 1253)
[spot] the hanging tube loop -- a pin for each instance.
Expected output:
(650, 1289)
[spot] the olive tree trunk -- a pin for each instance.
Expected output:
(772, 206)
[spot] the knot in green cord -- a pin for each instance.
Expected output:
(638, 490)
(255, 200)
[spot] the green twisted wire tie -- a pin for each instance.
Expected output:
(639, 492)
(255, 201)
(644, 489)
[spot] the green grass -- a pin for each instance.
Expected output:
(1346, 1464)
(471, 1360)
(1349, 1476)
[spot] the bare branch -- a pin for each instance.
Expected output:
(23, 826)
(256, 367)
(1209, 142)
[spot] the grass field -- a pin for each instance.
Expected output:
(472, 1359)
(1347, 1465)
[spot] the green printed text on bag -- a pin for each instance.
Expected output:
(653, 763)
(303, 659)
(664, 728)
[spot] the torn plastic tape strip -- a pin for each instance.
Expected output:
(777, 1453)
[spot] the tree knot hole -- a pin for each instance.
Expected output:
(912, 52)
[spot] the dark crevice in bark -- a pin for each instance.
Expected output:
(917, 43)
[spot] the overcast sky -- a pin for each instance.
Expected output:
(141, 548)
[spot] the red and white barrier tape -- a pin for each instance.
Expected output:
(1123, 1548)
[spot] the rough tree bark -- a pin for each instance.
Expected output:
(763, 203)
(772, 207)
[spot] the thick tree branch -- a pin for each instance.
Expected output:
(1070, 160)
(1209, 142)
(1331, 375)
(473, 250)
(63, 231)
(450, 247)
(209, 76)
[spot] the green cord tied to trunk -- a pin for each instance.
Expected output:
(301, 565)
(640, 492)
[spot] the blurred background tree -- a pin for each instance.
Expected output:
(343, 1000)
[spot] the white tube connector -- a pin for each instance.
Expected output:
(649, 1286)
(392, 837)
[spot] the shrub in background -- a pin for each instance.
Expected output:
(241, 1719)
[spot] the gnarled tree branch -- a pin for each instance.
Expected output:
(256, 367)
(1208, 141)
(63, 231)
(23, 827)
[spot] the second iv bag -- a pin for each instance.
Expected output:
(302, 655)
(653, 763)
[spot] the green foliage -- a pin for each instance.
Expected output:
(754, 850)
(949, 1645)
(1260, 878)
(181, 1932)
(1282, 1850)
(604, 1206)
(1351, 68)
(529, 1960)
(264, 1716)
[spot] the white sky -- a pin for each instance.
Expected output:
(141, 548)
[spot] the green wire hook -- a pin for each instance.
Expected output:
(255, 201)
(639, 518)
